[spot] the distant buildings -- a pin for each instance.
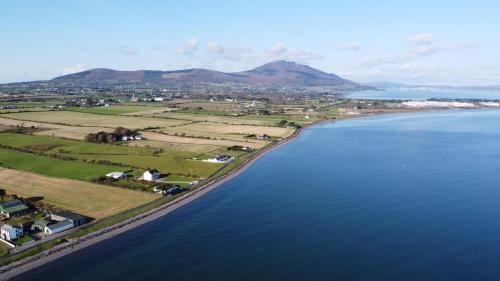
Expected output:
(151, 175)
(131, 138)
(13, 208)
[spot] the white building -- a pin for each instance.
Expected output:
(219, 159)
(157, 99)
(9, 232)
(58, 227)
(116, 175)
(151, 175)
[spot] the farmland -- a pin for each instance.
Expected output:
(96, 201)
(46, 152)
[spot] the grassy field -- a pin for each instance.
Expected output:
(171, 161)
(240, 120)
(254, 143)
(113, 110)
(3, 250)
(96, 201)
(56, 130)
(94, 120)
(52, 166)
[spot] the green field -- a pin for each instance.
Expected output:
(3, 250)
(51, 166)
(167, 161)
(111, 110)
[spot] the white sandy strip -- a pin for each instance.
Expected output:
(443, 104)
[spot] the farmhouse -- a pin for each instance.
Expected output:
(9, 232)
(57, 227)
(151, 175)
(13, 208)
(116, 175)
(219, 159)
(58, 222)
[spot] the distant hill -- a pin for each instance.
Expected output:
(274, 74)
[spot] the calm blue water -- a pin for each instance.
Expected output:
(420, 94)
(394, 197)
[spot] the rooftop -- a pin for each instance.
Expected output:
(69, 215)
(59, 224)
(13, 206)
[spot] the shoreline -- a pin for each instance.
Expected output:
(26, 264)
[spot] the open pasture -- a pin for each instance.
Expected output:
(201, 141)
(136, 158)
(225, 129)
(94, 120)
(93, 200)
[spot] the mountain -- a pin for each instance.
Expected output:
(274, 74)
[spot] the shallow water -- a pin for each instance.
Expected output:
(394, 197)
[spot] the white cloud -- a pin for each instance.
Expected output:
(235, 54)
(127, 50)
(281, 52)
(349, 46)
(425, 50)
(421, 39)
(423, 44)
(72, 69)
(189, 46)
(215, 48)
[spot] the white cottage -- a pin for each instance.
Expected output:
(151, 175)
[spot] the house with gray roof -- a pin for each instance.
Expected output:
(57, 227)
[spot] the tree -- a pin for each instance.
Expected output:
(282, 123)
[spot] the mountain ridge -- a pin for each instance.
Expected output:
(274, 74)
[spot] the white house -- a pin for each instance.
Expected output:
(9, 232)
(157, 99)
(151, 175)
(116, 175)
(57, 227)
(219, 159)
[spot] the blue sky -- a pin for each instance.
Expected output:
(433, 42)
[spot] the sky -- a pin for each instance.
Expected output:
(415, 42)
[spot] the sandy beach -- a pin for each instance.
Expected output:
(13, 269)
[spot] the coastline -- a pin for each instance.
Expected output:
(18, 267)
(26, 264)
